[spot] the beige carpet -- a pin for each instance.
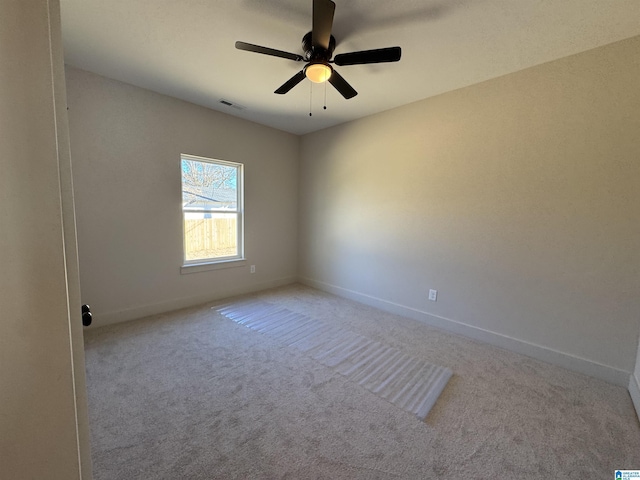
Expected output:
(193, 395)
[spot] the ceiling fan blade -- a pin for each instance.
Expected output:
(249, 47)
(322, 23)
(342, 86)
(292, 82)
(380, 55)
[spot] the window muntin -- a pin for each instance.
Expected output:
(212, 210)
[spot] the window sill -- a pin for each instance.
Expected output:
(203, 267)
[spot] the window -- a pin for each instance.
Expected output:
(212, 210)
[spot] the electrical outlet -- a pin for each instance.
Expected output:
(253, 269)
(433, 295)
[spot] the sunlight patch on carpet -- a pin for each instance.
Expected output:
(405, 381)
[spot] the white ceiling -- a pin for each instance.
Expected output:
(185, 48)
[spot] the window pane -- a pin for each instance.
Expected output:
(207, 186)
(210, 235)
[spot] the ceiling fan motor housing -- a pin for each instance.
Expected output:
(314, 54)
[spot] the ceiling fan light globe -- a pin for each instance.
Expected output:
(318, 72)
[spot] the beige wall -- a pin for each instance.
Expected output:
(126, 144)
(637, 369)
(517, 199)
(43, 429)
(634, 384)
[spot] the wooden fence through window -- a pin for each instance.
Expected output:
(210, 237)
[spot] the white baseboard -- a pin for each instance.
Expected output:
(581, 365)
(634, 391)
(134, 313)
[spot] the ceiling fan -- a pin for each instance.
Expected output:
(318, 46)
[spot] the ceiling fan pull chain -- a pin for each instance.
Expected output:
(310, 95)
(325, 96)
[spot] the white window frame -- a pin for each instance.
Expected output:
(238, 260)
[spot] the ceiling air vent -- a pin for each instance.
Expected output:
(231, 104)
